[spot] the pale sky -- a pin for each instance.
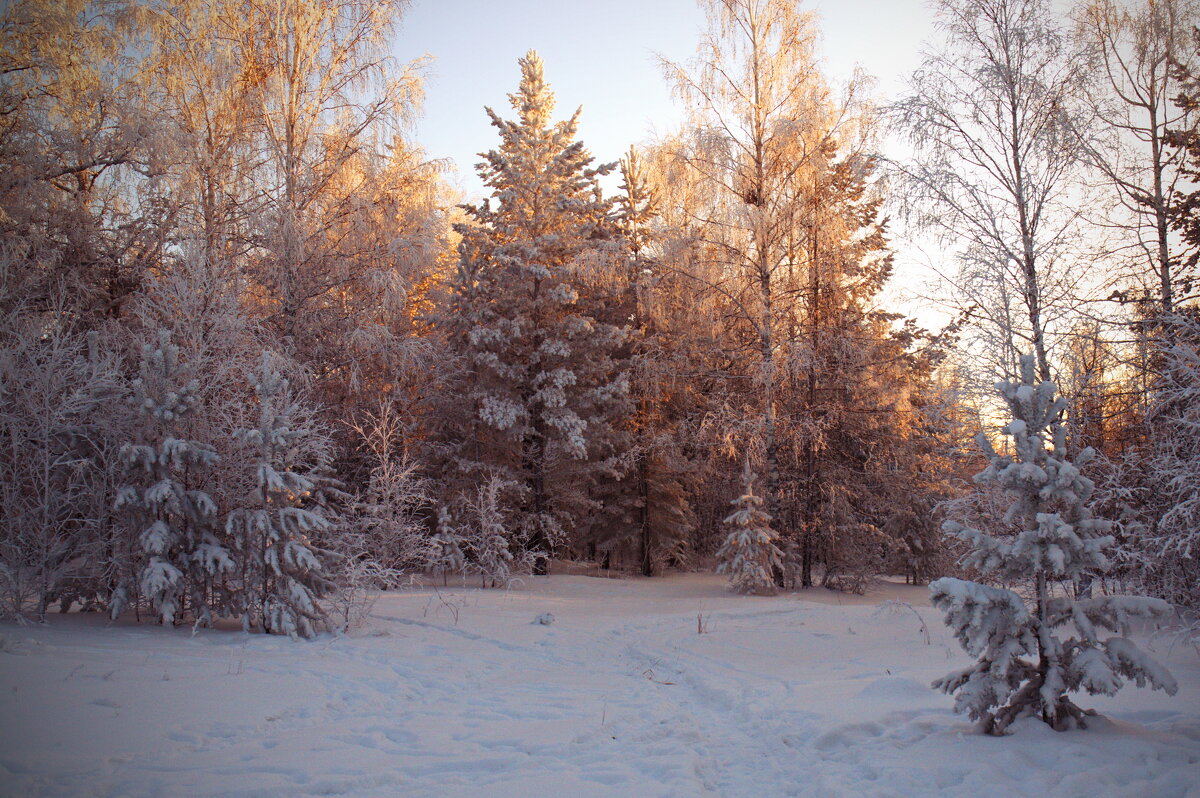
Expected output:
(601, 54)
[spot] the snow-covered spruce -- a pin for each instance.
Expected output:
(540, 388)
(749, 554)
(1026, 665)
(184, 556)
(282, 575)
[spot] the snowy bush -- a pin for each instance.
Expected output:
(388, 520)
(498, 553)
(55, 388)
(749, 554)
(1026, 665)
(383, 541)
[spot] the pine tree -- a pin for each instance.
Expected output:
(540, 382)
(749, 554)
(663, 513)
(185, 559)
(1024, 668)
(282, 573)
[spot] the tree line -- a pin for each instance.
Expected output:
(257, 358)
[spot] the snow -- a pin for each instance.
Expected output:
(641, 687)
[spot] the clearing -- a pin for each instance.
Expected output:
(639, 687)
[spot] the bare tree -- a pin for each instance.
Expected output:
(993, 167)
(55, 388)
(1133, 49)
(765, 122)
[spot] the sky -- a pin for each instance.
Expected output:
(601, 54)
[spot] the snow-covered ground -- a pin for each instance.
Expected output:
(457, 692)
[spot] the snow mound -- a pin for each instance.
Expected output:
(895, 688)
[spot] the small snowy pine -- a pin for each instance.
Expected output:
(1024, 666)
(749, 554)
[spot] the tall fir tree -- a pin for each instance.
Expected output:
(539, 379)
(645, 516)
(1025, 667)
(664, 515)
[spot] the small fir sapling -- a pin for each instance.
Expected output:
(1026, 664)
(490, 540)
(449, 543)
(489, 545)
(749, 554)
(283, 573)
(390, 510)
(183, 552)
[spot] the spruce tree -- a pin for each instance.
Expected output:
(282, 573)
(184, 557)
(749, 554)
(539, 382)
(1026, 665)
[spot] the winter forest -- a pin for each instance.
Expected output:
(266, 368)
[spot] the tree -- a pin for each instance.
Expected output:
(183, 557)
(990, 122)
(645, 511)
(56, 390)
(752, 83)
(497, 551)
(1024, 667)
(449, 545)
(76, 142)
(749, 554)
(1185, 140)
(282, 574)
(539, 380)
(391, 534)
(788, 238)
(1140, 52)
(1165, 544)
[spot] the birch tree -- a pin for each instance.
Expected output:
(1138, 51)
(993, 172)
(762, 115)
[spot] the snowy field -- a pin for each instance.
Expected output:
(459, 693)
